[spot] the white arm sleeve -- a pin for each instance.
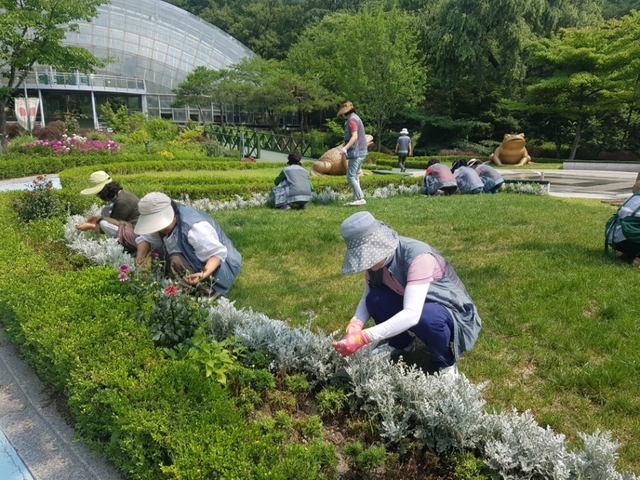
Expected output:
(409, 316)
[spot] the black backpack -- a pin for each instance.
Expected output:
(624, 224)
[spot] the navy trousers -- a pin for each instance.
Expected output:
(435, 327)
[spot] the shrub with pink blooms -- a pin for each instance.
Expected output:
(170, 312)
(70, 145)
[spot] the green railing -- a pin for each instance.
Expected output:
(249, 142)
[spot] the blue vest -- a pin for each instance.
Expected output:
(226, 273)
(359, 148)
(466, 321)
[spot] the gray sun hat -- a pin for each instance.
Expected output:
(156, 213)
(368, 242)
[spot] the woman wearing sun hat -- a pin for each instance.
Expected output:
(195, 246)
(403, 148)
(355, 147)
(118, 218)
(409, 287)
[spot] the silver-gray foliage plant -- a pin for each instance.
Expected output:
(446, 413)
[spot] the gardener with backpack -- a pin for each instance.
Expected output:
(622, 231)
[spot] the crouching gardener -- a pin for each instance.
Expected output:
(194, 245)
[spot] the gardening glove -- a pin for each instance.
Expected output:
(343, 150)
(351, 343)
(355, 325)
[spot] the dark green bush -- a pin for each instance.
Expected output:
(38, 201)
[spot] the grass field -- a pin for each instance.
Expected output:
(560, 318)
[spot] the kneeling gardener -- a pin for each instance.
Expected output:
(194, 245)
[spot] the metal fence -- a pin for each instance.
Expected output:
(249, 142)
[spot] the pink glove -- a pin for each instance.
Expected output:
(355, 325)
(351, 343)
(343, 150)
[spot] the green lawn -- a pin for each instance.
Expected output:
(560, 319)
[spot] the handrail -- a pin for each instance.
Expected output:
(254, 140)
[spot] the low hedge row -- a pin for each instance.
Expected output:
(134, 176)
(17, 166)
(153, 418)
(421, 162)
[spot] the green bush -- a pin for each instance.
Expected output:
(38, 201)
(161, 129)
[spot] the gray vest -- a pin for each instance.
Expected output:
(468, 180)
(359, 148)
(228, 270)
(448, 291)
(299, 187)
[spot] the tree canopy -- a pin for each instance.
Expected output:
(32, 32)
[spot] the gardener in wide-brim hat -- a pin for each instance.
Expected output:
(119, 217)
(410, 289)
(194, 245)
(355, 148)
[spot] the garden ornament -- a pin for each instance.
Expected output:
(511, 151)
(97, 180)
(333, 162)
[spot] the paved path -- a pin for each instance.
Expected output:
(37, 444)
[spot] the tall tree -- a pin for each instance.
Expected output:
(573, 78)
(369, 57)
(199, 88)
(32, 32)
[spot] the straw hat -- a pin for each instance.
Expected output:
(473, 162)
(346, 106)
(97, 180)
(156, 213)
(368, 242)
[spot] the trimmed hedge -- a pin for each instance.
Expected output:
(134, 177)
(154, 418)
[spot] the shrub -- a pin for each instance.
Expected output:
(213, 149)
(364, 459)
(330, 401)
(297, 383)
(189, 136)
(161, 129)
(310, 427)
(14, 130)
(52, 131)
(38, 201)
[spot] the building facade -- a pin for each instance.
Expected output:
(152, 46)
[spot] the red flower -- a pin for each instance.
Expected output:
(171, 290)
(124, 268)
(123, 277)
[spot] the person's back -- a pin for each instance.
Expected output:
(468, 180)
(490, 177)
(439, 177)
(403, 148)
(299, 183)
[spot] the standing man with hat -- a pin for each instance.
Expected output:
(409, 287)
(195, 247)
(403, 148)
(117, 219)
(355, 148)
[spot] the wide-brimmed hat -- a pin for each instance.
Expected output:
(404, 131)
(346, 106)
(368, 242)
(473, 161)
(97, 180)
(156, 213)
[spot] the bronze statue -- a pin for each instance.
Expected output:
(332, 162)
(511, 151)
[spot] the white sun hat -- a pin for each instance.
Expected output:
(156, 213)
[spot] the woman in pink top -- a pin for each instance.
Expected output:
(439, 179)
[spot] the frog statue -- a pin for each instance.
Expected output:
(511, 151)
(332, 162)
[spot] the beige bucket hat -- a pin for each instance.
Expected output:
(156, 213)
(97, 180)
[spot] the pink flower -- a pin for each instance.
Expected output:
(123, 277)
(171, 290)
(154, 254)
(124, 268)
